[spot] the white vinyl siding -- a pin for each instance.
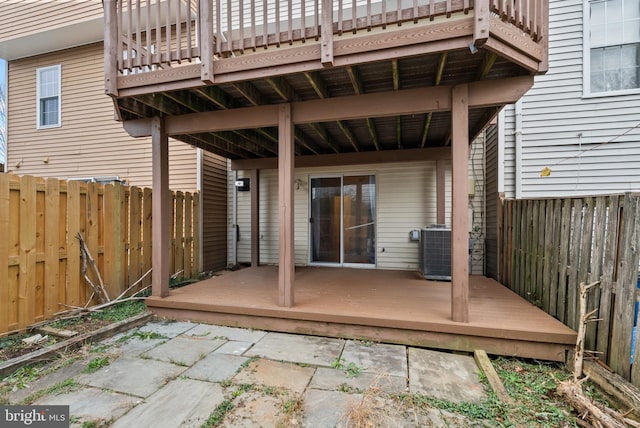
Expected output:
(590, 144)
(48, 114)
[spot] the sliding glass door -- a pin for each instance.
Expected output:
(342, 220)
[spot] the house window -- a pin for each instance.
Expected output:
(48, 88)
(614, 45)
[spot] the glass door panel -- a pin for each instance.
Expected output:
(325, 219)
(359, 219)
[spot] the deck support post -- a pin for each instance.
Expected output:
(161, 208)
(460, 204)
(255, 217)
(111, 48)
(326, 43)
(285, 205)
(206, 40)
(440, 191)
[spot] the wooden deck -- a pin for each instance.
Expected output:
(389, 306)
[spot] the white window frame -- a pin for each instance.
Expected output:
(586, 60)
(39, 71)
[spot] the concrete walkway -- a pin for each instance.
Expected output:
(180, 374)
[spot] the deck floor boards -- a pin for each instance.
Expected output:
(374, 298)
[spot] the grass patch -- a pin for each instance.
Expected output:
(148, 335)
(96, 364)
(57, 389)
(120, 311)
(217, 416)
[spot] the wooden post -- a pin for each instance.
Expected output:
(206, 40)
(326, 46)
(480, 23)
(440, 191)
(161, 208)
(110, 48)
(459, 204)
(255, 217)
(285, 205)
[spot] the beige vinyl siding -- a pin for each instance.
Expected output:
(90, 142)
(591, 144)
(214, 211)
(406, 200)
(23, 17)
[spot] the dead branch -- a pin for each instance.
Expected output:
(135, 284)
(99, 288)
(585, 318)
(571, 392)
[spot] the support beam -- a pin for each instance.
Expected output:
(459, 204)
(255, 217)
(440, 191)
(351, 158)
(427, 123)
(161, 208)
(285, 206)
(486, 93)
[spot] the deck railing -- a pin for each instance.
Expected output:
(145, 35)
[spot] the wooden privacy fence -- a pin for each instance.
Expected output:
(40, 256)
(548, 247)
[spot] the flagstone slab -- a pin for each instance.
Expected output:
(276, 374)
(321, 351)
(216, 367)
(183, 350)
(378, 358)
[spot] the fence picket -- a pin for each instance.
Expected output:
(196, 235)
(92, 230)
(188, 235)
(51, 248)
(574, 260)
(178, 243)
(532, 249)
(554, 265)
(73, 245)
(542, 291)
(27, 278)
(4, 252)
(546, 255)
(134, 234)
(562, 261)
(147, 208)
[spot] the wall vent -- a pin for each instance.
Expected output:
(435, 252)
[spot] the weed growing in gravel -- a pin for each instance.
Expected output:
(351, 369)
(217, 416)
(148, 335)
